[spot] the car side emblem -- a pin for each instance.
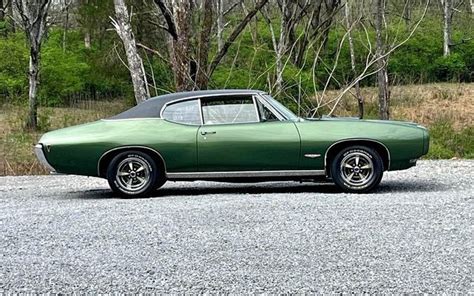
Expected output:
(48, 148)
(311, 155)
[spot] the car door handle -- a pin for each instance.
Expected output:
(207, 133)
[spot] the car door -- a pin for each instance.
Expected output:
(234, 138)
(178, 143)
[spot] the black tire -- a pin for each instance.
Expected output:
(357, 169)
(134, 174)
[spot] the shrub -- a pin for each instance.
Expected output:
(449, 68)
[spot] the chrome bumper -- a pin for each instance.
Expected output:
(42, 158)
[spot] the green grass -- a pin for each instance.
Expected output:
(448, 143)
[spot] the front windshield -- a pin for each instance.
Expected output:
(281, 108)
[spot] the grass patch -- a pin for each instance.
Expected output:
(16, 144)
(446, 142)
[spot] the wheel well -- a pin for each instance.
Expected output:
(380, 148)
(109, 155)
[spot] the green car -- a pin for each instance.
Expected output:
(230, 135)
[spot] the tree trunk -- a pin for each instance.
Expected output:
(204, 39)
(220, 23)
(360, 99)
(447, 20)
(180, 56)
(33, 71)
(135, 64)
(2, 11)
(407, 13)
(87, 39)
(472, 6)
(87, 33)
(382, 74)
(33, 17)
(3, 8)
(11, 21)
(66, 26)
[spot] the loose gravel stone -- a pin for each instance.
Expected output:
(66, 234)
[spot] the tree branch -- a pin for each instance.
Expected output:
(153, 51)
(168, 18)
(217, 59)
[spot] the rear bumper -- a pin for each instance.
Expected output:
(42, 158)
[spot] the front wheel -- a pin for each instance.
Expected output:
(357, 169)
(134, 174)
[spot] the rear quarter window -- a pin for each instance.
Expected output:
(186, 112)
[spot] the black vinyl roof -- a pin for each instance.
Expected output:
(151, 108)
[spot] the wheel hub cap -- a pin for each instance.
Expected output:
(133, 174)
(357, 169)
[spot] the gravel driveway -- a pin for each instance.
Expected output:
(70, 234)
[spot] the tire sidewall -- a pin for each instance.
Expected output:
(374, 179)
(148, 161)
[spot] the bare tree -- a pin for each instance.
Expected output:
(33, 14)
(233, 36)
(280, 43)
(372, 59)
(87, 33)
(66, 6)
(178, 25)
(447, 25)
(347, 15)
(407, 12)
(204, 44)
(382, 74)
(220, 23)
(3, 8)
(191, 73)
(123, 28)
(2, 11)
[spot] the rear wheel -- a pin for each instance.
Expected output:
(357, 169)
(134, 174)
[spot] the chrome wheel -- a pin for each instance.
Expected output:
(133, 174)
(357, 169)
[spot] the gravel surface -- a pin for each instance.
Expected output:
(64, 234)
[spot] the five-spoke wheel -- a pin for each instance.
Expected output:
(357, 169)
(133, 174)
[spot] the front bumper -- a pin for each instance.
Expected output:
(42, 158)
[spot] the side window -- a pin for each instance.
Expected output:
(265, 113)
(229, 110)
(186, 112)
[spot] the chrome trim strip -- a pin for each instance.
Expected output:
(42, 158)
(254, 100)
(200, 112)
(206, 96)
(129, 147)
(351, 140)
(243, 174)
(312, 155)
(140, 118)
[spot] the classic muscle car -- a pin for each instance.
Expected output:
(230, 135)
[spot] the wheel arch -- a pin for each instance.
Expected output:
(108, 155)
(332, 151)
